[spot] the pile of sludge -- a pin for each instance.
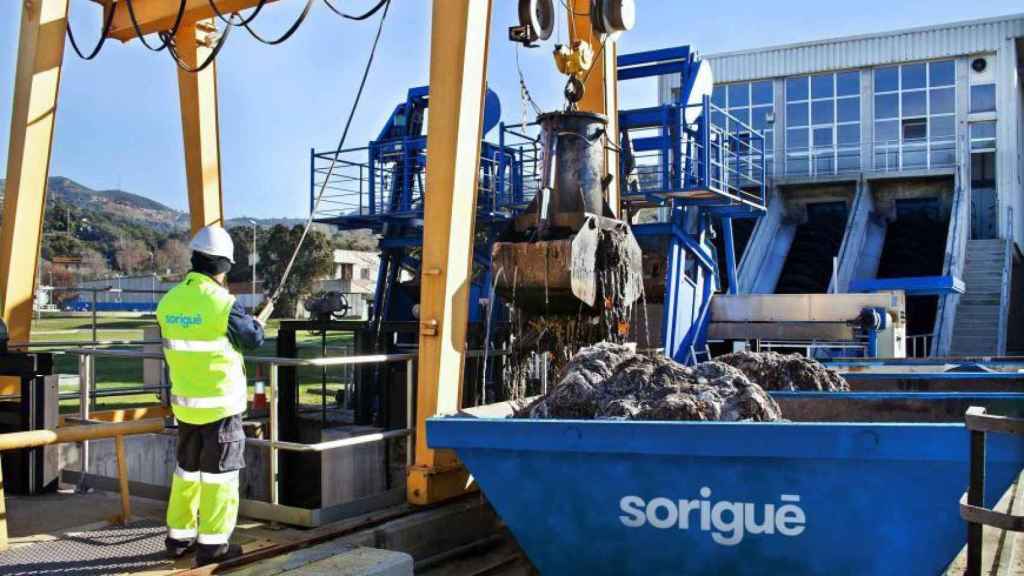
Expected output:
(610, 381)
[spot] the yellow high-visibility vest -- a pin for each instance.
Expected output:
(207, 373)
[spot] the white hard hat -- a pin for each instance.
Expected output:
(214, 241)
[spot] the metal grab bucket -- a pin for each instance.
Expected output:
(566, 248)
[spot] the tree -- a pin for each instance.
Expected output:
(361, 240)
(58, 276)
(315, 261)
(132, 256)
(173, 257)
(93, 265)
(241, 271)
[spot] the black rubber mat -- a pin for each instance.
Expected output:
(109, 550)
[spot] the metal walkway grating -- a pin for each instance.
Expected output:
(107, 550)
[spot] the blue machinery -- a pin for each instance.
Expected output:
(691, 161)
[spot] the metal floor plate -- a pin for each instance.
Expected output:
(107, 550)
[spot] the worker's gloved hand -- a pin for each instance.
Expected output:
(265, 313)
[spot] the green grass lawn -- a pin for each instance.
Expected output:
(113, 373)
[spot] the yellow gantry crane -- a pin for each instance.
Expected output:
(458, 70)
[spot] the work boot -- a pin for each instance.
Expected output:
(216, 553)
(178, 548)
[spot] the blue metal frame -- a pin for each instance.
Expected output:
(914, 286)
(714, 169)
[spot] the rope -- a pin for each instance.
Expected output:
(103, 36)
(334, 159)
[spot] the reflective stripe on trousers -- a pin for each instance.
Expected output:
(213, 498)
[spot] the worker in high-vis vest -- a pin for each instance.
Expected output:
(203, 328)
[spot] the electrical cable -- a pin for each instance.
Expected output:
(108, 22)
(287, 33)
(230, 20)
(164, 35)
(173, 51)
(362, 16)
(334, 159)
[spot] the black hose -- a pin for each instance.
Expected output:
(362, 16)
(230, 20)
(173, 51)
(103, 36)
(288, 33)
(165, 36)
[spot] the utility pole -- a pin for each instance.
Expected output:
(252, 260)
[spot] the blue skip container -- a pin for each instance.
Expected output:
(613, 497)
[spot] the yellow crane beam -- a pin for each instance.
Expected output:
(159, 15)
(458, 78)
(37, 80)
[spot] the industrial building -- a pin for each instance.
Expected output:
(899, 154)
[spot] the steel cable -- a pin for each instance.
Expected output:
(334, 159)
(165, 36)
(108, 21)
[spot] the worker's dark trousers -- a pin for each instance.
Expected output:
(204, 490)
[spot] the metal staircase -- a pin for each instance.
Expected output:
(981, 316)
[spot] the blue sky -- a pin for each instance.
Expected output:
(118, 122)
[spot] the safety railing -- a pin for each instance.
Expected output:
(87, 370)
(93, 431)
(87, 374)
(819, 161)
(388, 179)
(914, 154)
(811, 348)
(698, 154)
(919, 345)
(972, 505)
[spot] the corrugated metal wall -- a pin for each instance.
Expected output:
(871, 50)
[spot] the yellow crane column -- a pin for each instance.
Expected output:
(601, 94)
(36, 84)
(458, 73)
(200, 126)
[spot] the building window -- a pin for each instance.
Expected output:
(915, 115)
(823, 123)
(345, 272)
(983, 136)
(364, 273)
(749, 105)
(983, 98)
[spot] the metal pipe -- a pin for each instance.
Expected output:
(410, 367)
(36, 438)
(975, 497)
(324, 446)
(85, 375)
(273, 435)
(94, 335)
